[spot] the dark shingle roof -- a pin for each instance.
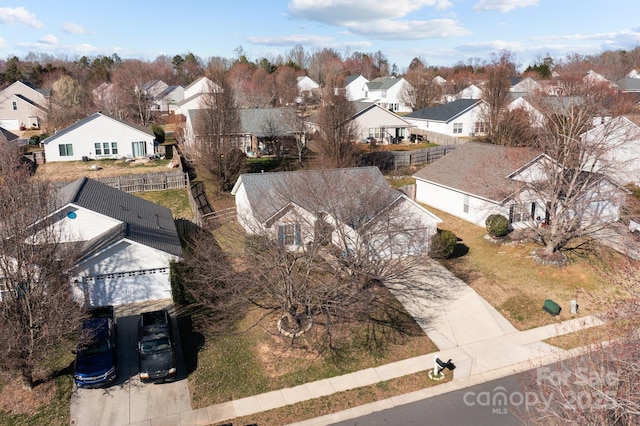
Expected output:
(354, 194)
(445, 112)
(92, 117)
(479, 169)
(144, 222)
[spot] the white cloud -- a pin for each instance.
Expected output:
(72, 28)
(49, 39)
(409, 30)
(3, 43)
(291, 40)
(503, 5)
(337, 12)
(19, 16)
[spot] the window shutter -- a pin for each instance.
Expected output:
(298, 239)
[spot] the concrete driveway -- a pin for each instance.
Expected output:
(129, 401)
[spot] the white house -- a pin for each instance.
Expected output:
(194, 95)
(620, 139)
(388, 92)
(524, 85)
(167, 101)
(383, 125)
(479, 179)
(355, 87)
(126, 243)
(307, 88)
(339, 205)
(23, 107)
(462, 117)
(99, 136)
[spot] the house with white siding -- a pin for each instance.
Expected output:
(99, 136)
(23, 107)
(460, 118)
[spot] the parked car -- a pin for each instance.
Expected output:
(156, 347)
(96, 357)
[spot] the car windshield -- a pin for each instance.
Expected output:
(95, 347)
(155, 345)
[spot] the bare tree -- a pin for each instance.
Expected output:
(338, 132)
(328, 264)
(69, 103)
(129, 79)
(217, 128)
(423, 91)
(576, 196)
(37, 310)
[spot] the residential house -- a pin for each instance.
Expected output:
(195, 95)
(127, 244)
(307, 88)
(7, 136)
(380, 124)
(459, 118)
(470, 92)
(524, 85)
(99, 136)
(23, 107)
(354, 88)
(167, 101)
(388, 92)
(620, 142)
(262, 130)
(338, 206)
(479, 179)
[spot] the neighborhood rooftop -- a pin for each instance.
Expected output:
(145, 222)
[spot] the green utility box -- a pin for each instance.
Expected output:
(551, 307)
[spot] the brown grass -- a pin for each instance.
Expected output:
(509, 278)
(71, 170)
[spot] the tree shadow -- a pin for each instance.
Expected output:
(459, 251)
(191, 339)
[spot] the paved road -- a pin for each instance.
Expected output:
(469, 406)
(128, 401)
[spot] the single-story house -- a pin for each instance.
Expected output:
(99, 136)
(478, 179)
(462, 117)
(381, 124)
(127, 243)
(22, 106)
(354, 209)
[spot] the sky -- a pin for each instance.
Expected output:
(439, 32)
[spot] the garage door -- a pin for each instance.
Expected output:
(129, 287)
(9, 124)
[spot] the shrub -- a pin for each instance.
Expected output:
(497, 225)
(443, 243)
(158, 131)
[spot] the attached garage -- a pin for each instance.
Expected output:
(131, 287)
(9, 123)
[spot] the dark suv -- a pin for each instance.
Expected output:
(156, 347)
(96, 356)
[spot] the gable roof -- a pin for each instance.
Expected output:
(95, 116)
(265, 122)
(382, 83)
(445, 112)
(338, 190)
(363, 107)
(7, 136)
(144, 222)
(351, 78)
(479, 169)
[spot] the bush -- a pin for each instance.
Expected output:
(443, 244)
(497, 225)
(158, 131)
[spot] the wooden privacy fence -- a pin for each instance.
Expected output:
(420, 156)
(159, 181)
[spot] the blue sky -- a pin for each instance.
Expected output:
(440, 32)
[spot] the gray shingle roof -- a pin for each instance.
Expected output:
(354, 194)
(144, 222)
(445, 112)
(479, 169)
(92, 117)
(382, 83)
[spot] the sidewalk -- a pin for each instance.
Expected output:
(464, 376)
(466, 328)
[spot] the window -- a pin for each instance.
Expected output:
(98, 147)
(66, 150)
(480, 127)
(457, 128)
(289, 234)
(374, 132)
(14, 105)
(139, 149)
(517, 214)
(465, 207)
(393, 107)
(114, 148)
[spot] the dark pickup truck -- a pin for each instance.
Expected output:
(96, 357)
(156, 347)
